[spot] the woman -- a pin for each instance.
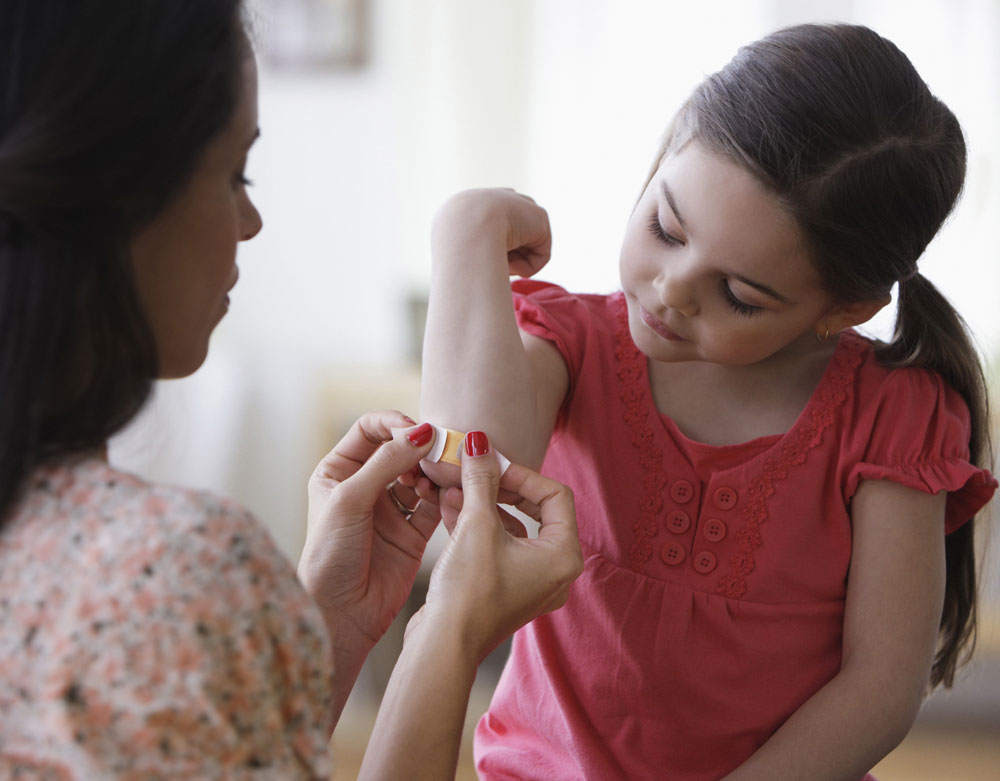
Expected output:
(149, 630)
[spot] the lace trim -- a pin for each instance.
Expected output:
(794, 449)
(793, 453)
(654, 478)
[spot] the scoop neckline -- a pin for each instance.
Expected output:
(757, 447)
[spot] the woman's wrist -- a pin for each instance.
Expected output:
(443, 639)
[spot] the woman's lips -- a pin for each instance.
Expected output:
(658, 327)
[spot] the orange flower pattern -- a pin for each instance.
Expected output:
(149, 631)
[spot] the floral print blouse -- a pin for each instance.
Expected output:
(149, 632)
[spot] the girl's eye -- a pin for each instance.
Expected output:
(242, 180)
(740, 307)
(657, 230)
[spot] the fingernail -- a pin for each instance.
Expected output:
(476, 444)
(421, 435)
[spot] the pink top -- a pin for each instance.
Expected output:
(149, 631)
(712, 601)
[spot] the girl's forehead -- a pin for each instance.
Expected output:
(723, 209)
(711, 190)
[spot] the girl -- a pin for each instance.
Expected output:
(776, 513)
(150, 631)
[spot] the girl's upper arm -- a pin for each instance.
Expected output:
(895, 589)
(551, 378)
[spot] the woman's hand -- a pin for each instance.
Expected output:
(362, 553)
(486, 584)
(492, 579)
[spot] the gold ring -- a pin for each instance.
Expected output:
(398, 503)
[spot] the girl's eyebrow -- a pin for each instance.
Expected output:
(665, 189)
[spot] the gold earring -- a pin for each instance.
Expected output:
(825, 336)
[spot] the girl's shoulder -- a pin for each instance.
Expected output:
(580, 325)
(900, 391)
(908, 425)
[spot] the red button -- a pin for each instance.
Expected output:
(724, 498)
(705, 562)
(673, 554)
(714, 530)
(682, 492)
(678, 521)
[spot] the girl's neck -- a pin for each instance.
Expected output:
(725, 404)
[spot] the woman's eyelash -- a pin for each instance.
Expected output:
(657, 230)
(740, 307)
(242, 180)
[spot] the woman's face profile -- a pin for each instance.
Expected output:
(185, 259)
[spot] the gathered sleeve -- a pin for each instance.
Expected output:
(549, 312)
(919, 438)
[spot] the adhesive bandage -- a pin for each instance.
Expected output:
(447, 447)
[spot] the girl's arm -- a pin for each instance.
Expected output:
(477, 372)
(895, 594)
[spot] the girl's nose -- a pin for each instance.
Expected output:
(676, 292)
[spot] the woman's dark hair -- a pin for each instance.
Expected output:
(105, 108)
(836, 122)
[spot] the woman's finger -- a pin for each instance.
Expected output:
(367, 434)
(367, 485)
(480, 473)
(511, 524)
(556, 510)
(451, 506)
(425, 518)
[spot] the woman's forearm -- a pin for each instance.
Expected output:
(418, 731)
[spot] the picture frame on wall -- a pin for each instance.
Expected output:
(314, 35)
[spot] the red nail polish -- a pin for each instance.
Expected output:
(476, 444)
(421, 435)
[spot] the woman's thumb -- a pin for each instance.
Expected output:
(480, 473)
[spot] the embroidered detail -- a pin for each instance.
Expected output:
(654, 479)
(794, 451)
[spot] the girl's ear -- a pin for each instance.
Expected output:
(850, 315)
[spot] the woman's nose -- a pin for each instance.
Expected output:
(250, 220)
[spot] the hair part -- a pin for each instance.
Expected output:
(837, 124)
(103, 117)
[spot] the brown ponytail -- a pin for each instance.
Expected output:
(930, 334)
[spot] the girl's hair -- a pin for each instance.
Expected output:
(104, 111)
(836, 122)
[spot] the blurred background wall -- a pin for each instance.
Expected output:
(562, 99)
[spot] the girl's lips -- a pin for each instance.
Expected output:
(658, 327)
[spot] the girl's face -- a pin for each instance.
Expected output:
(714, 269)
(185, 259)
